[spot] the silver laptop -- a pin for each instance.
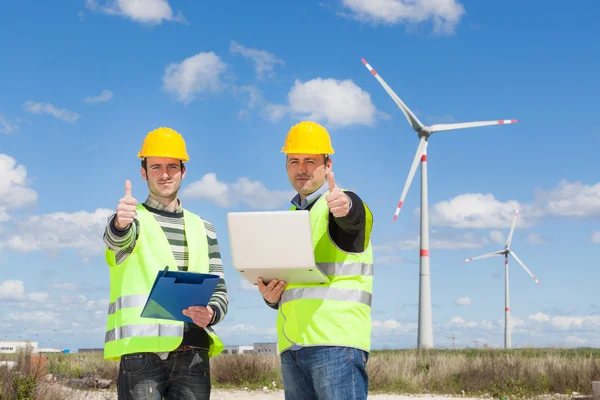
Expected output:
(273, 245)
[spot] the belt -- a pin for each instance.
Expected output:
(185, 347)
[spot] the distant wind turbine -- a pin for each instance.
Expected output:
(506, 251)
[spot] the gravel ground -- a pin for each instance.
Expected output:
(221, 394)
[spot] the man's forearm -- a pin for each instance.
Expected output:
(119, 240)
(355, 219)
(219, 300)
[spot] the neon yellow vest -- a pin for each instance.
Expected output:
(333, 314)
(130, 284)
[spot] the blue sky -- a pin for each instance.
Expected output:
(83, 81)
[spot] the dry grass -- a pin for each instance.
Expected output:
(517, 373)
(474, 372)
(26, 382)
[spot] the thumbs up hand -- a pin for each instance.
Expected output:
(337, 201)
(126, 208)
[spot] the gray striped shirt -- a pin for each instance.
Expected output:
(123, 242)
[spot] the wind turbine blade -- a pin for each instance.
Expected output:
(496, 253)
(412, 119)
(462, 125)
(523, 265)
(512, 229)
(411, 174)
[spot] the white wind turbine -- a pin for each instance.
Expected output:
(425, 335)
(506, 251)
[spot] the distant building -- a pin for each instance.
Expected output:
(94, 350)
(49, 350)
(238, 350)
(13, 346)
(256, 348)
(265, 348)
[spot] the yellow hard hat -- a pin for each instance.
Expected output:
(307, 137)
(164, 142)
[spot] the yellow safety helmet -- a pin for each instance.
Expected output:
(307, 137)
(164, 142)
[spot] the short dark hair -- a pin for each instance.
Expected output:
(324, 155)
(145, 165)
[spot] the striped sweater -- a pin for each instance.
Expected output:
(123, 242)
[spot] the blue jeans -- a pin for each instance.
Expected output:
(325, 373)
(184, 375)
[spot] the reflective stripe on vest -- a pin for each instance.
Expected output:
(327, 293)
(138, 330)
(352, 268)
(130, 301)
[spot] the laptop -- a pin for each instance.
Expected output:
(273, 245)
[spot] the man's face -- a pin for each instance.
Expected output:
(164, 176)
(307, 172)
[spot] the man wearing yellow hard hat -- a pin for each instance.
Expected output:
(160, 357)
(324, 330)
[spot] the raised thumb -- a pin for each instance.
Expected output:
(331, 181)
(128, 188)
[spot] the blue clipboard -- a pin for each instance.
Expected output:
(174, 291)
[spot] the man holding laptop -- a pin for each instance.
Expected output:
(324, 329)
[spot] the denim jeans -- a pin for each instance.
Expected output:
(184, 375)
(325, 373)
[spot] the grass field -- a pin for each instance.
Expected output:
(514, 373)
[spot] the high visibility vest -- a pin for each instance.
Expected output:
(337, 313)
(132, 280)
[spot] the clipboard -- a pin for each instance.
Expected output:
(174, 291)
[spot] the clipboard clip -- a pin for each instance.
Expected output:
(165, 271)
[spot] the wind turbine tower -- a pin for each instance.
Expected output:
(506, 251)
(425, 334)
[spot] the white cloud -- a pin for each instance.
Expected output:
(395, 260)
(540, 317)
(534, 238)
(66, 286)
(392, 326)
(595, 238)
(437, 241)
(497, 237)
(514, 322)
(80, 230)
(38, 297)
(576, 340)
(47, 108)
(575, 322)
(253, 194)
(103, 97)
(146, 11)
(334, 102)
(12, 290)
(276, 111)
(444, 14)
(200, 73)
(246, 329)
(14, 192)
(40, 317)
(486, 324)
(476, 210)
(6, 127)
(458, 321)
(264, 61)
(571, 199)
(463, 301)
